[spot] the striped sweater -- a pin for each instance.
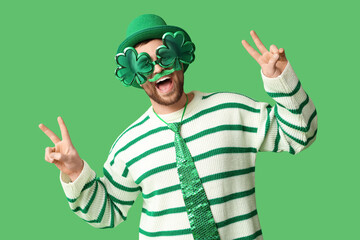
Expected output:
(224, 132)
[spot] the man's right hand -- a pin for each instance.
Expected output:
(64, 154)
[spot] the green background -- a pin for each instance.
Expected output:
(57, 59)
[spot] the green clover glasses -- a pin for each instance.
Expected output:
(135, 68)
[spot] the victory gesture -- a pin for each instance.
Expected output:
(64, 154)
(272, 63)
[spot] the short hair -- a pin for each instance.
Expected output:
(145, 42)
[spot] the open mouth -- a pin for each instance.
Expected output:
(164, 84)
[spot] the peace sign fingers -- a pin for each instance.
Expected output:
(63, 155)
(272, 62)
(64, 132)
(252, 51)
(55, 139)
(258, 57)
(258, 42)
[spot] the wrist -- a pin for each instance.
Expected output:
(75, 174)
(274, 75)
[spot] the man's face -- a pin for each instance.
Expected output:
(168, 89)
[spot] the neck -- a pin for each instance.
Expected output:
(162, 109)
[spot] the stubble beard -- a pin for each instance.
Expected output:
(178, 91)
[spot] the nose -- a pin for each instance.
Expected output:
(157, 69)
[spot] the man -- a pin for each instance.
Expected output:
(202, 185)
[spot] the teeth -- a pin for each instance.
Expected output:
(162, 79)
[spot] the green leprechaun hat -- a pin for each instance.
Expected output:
(148, 26)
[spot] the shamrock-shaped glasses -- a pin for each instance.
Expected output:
(134, 68)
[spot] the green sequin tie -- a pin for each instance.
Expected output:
(197, 205)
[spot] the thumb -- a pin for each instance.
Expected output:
(273, 60)
(56, 156)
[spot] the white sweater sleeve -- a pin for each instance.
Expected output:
(291, 125)
(102, 202)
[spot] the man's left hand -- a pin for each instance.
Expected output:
(272, 62)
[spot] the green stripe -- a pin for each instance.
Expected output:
(129, 144)
(267, 125)
(203, 180)
(111, 220)
(293, 138)
(86, 186)
(311, 138)
(232, 196)
(118, 185)
(98, 220)
(119, 212)
(87, 207)
(116, 200)
(125, 172)
(224, 150)
(101, 214)
(164, 212)
(220, 107)
(112, 217)
(117, 209)
(236, 219)
(251, 237)
(135, 125)
(153, 150)
(298, 140)
(214, 201)
(299, 110)
(277, 139)
(303, 129)
(207, 96)
(296, 89)
(189, 139)
(162, 191)
(165, 233)
(188, 230)
(227, 174)
(199, 114)
(155, 170)
(227, 127)
(196, 158)
(291, 150)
